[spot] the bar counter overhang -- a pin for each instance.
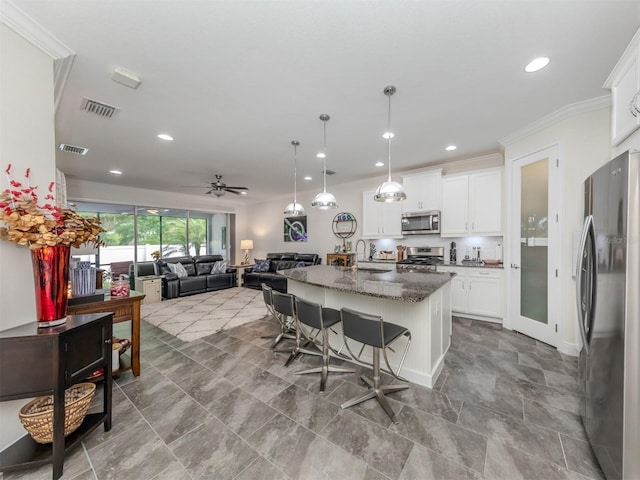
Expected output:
(418, 301)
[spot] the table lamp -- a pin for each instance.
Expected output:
(246, 245)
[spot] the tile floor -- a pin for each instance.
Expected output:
(225, 407)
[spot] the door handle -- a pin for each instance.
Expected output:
(514, 266)
(583, 307)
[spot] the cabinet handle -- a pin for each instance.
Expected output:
(107, 341)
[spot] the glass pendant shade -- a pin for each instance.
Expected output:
(294, 209)
(324, 200)
(389, 191)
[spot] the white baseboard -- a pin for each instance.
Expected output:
(569, 349)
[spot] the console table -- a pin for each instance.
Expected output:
(124, 309)
(46, 361)
(341, 259)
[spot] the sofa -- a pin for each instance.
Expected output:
(278, 261)
(199, 278)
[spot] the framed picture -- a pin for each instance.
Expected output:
(295, 229)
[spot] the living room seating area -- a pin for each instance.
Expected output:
(265, 270)
(182, 276)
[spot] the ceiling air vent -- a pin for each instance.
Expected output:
(98, 108)
(73, 149)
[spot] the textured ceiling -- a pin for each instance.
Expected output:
(235, 81)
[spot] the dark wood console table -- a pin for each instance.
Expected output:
(47, 361)
(124, 309)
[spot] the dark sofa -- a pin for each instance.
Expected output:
(200, 278)
(278, 261)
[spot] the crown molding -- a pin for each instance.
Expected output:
(26, 26)
(631, 50)
(557, 117)
(35, 34)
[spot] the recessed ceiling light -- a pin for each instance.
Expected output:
(379, 164)
(320, 155)
(450, 148)
(388, 135)
(115, 172)
(536, 64)
(164, 136)
(307, 178)
(243, 193)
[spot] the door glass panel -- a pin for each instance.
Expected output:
(534, 208)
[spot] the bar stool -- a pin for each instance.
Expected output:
(322, 318)
(371, 330)
(285, 306)
(284, 319)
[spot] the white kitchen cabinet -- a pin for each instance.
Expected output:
(424, 191)
(472, 204)
(624, 83)
(476, 292)
(380, 219)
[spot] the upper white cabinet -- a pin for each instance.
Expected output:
(424, 191)
(624, 83)
(472, 204)
(380, 219)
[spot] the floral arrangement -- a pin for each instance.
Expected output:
(28, 222)
(156, 254)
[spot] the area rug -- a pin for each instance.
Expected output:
(197, 316)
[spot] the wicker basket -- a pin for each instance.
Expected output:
(37, 415)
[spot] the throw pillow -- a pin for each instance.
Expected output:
(178, 269)
(219, 267)
(261, 265)
(300, 265)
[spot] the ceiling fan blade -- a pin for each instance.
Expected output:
(231, 191)
(209, 192)
(195, 186)
(238, 188)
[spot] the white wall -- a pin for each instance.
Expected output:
(584, 146)
(27, 141)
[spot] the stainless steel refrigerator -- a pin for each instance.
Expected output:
(608, 289)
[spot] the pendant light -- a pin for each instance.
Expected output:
(294, 209)
(324, 200)
(389, 191)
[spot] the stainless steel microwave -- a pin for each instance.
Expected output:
(421, 223)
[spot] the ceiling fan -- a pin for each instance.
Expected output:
(219, 188)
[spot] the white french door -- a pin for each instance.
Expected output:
(534, 240)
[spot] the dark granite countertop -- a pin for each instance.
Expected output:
(392, 284)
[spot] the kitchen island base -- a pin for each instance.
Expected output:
(428, 320)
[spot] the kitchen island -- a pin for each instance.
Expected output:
(419, 301)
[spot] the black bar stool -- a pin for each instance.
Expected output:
(284, 319)
(285, 305)
(373, 331)
(322, 318)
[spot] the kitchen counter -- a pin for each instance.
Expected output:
(390, 284)
(419, 301)
(475, 265)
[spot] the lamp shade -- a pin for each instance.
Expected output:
(324, 201)
(390, 191)
(246, 244)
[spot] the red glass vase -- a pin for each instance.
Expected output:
(51, 277)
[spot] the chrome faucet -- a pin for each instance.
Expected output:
(364, 251)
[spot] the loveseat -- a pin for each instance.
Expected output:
(278, 261)
(199, 278)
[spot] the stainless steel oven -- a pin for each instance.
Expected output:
(421, 223)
